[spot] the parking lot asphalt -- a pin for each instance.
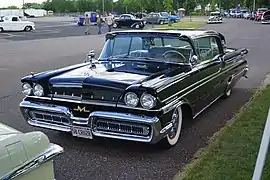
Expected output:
(52, 29)
(113, 159)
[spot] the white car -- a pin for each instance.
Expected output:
(215, 17)
(14, 23)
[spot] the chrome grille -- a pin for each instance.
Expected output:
(121, 127)
(49, 117)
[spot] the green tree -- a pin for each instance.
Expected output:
(47, 5)
(168, 5)
(189, 6)
(213, 5)
(12, 7)
(203, 4)
(32, 5)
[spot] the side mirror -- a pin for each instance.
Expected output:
(194, 60)
(224, 45)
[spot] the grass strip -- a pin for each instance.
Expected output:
(233, 151)
(181, 25)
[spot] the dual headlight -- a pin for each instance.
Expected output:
(28, 90)
(147, 101)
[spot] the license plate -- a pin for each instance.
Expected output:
(82, 132)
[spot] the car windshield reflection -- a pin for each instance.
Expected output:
(147, 47)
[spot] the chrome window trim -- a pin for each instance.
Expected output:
(52, 151)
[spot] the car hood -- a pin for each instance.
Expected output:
(110, 78)
(5, 130)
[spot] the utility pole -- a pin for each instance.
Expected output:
(254, 5)
(103, 5)
(23, 6)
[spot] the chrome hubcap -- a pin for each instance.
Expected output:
(175, 124)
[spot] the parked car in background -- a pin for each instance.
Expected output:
(140, 15)
(259, 13)
(15, 23)
(252, 16)
(238, 14)
(142, 88)
(172, 17)
(243, 11)
(247, 15)
(128, 20)
(157, 18)
(232, 13)
(215, 17)
(26, 156)
(266, 17)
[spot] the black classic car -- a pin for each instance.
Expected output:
(143, 86)
(128, 20)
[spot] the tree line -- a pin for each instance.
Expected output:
(67, 6)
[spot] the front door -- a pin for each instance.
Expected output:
(209, 68)
(128, 21)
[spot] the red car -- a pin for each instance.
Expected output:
(259, 13)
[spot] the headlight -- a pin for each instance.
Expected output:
(148, 101)
(38, 90)
(131, 99)
(26, 89)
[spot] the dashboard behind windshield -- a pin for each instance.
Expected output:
(150, 47)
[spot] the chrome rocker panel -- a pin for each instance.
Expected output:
(156, 132)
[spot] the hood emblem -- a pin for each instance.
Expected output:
(81, 109)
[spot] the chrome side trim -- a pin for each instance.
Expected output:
(203, 81)
(47, 155)
(67, 85)
(197, 114)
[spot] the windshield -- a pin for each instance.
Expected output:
(214, 14)
(262, 10)
(148, 47)
(164, 14)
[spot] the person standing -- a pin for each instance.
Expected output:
(99, 23)
(87, 24)
(109, 21)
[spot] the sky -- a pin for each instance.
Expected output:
(5, 3)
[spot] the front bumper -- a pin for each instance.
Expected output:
(107, 124)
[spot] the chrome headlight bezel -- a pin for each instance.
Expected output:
(38, 90)
(133, 97)
(24, 90)
(151, 98)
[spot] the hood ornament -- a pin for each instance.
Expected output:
(90, 56)
(32, 74)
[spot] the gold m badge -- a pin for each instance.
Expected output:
(83, 109)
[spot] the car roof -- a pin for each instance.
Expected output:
(181, 32)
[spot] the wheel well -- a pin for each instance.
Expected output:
(187, 112)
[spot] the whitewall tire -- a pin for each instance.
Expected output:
(173, 135)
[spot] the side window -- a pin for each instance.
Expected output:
(14, 19)
(214, 46)
(122, 17)
(207, 48)
(127, 17)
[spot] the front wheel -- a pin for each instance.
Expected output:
(161, 22)
(1, 29)
(173, 135)
(137, 26)
(115, 25)
(28, 28)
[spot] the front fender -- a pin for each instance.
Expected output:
(134, 24)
